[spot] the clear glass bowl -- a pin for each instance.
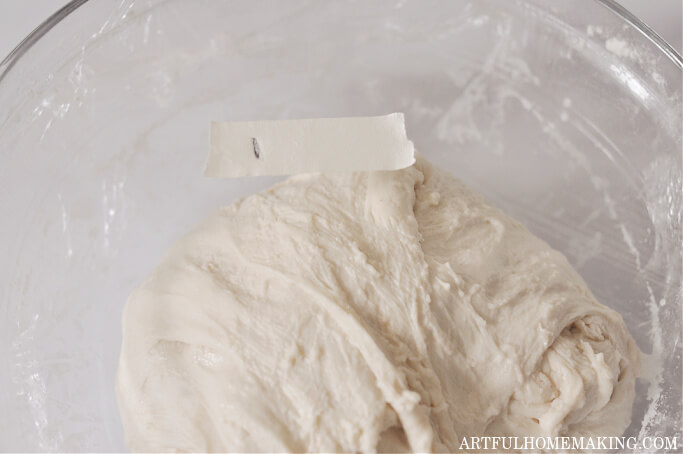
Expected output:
(567, 118)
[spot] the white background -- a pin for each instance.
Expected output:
(19, 17)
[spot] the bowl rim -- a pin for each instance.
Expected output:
(22, 48)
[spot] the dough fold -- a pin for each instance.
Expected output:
(375, 311)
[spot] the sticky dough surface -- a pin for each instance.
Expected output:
(393, 311)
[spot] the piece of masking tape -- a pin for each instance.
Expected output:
(284, 147)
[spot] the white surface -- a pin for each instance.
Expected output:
(19, 17)
(663, 16)
(248, 148)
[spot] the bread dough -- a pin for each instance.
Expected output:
(368, 311)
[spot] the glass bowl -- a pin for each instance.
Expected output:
(567, 118)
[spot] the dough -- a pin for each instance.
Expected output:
(368, 311)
